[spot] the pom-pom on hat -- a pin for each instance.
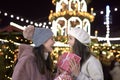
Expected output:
(81, 35)
(28, 32)
(37, 35)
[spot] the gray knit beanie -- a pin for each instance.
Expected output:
(41, 35)
(37, 35)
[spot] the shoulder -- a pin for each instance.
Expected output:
(25, 51)
(93, 62)
(93, 59)
(93, 68)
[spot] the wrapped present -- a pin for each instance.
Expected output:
(63, 62)
(63, 76)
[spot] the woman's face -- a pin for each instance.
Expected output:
(49, 44)
(71, 40)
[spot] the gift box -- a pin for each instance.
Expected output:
(63, 62)
(63, 76)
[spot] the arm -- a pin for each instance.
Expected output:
(19, 71)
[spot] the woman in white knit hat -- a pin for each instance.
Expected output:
(90, 67)
(35, 63)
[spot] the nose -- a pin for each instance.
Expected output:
(68, 42)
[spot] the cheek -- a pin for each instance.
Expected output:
(71, 43)
(49, 47)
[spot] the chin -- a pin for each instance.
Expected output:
(49, 50)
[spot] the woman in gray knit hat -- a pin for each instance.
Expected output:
(35, 63)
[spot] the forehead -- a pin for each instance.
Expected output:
(51, 38)
(70, 36)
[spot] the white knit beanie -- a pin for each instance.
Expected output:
(81, 35)
(37, 35)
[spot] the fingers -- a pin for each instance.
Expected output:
(74, 68)
(72, 63)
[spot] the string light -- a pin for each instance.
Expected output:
(101, 12)
(115, 9)
(12, 16)
(17, 17)
(5, 14)
(27, 21)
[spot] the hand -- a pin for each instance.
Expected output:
(74, 68)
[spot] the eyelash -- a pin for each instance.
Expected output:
(70, 38)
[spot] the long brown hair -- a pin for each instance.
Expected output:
(42, 64)
(81, 50)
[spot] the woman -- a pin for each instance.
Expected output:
(35, 63)
(90, 67)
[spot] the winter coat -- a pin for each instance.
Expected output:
(91, 70)
(26, 67)
(115, 72)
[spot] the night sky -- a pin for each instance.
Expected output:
(38, 10)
